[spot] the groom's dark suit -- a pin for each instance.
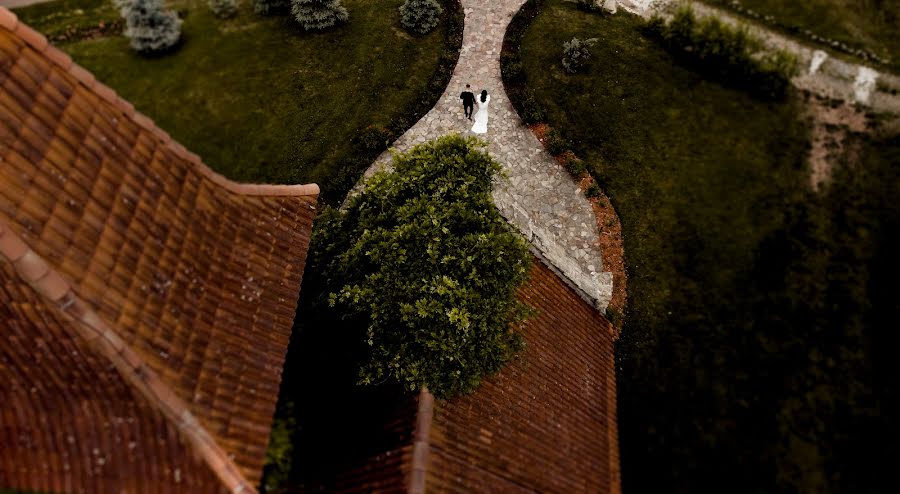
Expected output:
(468, 103)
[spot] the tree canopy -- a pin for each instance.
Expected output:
(426, 269)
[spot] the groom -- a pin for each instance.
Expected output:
(468, 102)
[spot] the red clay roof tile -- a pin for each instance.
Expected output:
(82, 75)
(58, 57)
(105, 92)
(31, 267)
(37, 40)
(132, 228)
(12, 247)
(52, 286)
(8, 19)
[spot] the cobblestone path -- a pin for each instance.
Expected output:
(539, 197)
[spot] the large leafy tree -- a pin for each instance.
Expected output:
(425, 265)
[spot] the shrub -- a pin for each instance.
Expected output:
(522, 98)
(374, 138)
(593, 190)
(727, 54)
(511, 68)
(280, 452)
(615, 317)
(223, 8)
(151, 29)
(420, 16)
(271, 7)
(654, 27)
(427, 267)
(576, 54)
(555, 143)
(529, 109)
(576, 166)
(455, 25)
(587, 5)
(318, 14)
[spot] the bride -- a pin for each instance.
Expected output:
(481, 118)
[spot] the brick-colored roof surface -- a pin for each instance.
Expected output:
(546, 423)
(145, 302)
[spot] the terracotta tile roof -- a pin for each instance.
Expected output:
(146, 301)
(545, 423)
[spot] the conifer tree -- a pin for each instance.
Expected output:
(150, 27)
(420, 16)
(318, 14)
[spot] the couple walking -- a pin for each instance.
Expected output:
(481, 118)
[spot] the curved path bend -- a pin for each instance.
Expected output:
(539, 197)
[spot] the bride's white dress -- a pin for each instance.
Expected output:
(481, 118)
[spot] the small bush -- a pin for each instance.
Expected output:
(555, 143)
(374, 138)
(318, 14)
(576, 166)
(576, 54)
(511, 68)
(455, 24)
(530, 111)
(587, 5)
(277, 466)
(654, 27)
(271, 7)
(727, 54)
(223, 8)
(593, 191)
(615, 317)
(420, 16)
(151, 29)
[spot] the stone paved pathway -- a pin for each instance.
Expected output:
(540, 198)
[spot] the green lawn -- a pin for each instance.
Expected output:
(871, 25)
(259, 99)
(747, 353)
(56, 17)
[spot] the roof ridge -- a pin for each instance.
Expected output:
(39, 43)
(421, 443)
(100, 336)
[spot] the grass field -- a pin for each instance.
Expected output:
(748, 349)
(259, 99)
(872, 25)
(56, 17)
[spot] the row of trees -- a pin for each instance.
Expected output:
(153, 29)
